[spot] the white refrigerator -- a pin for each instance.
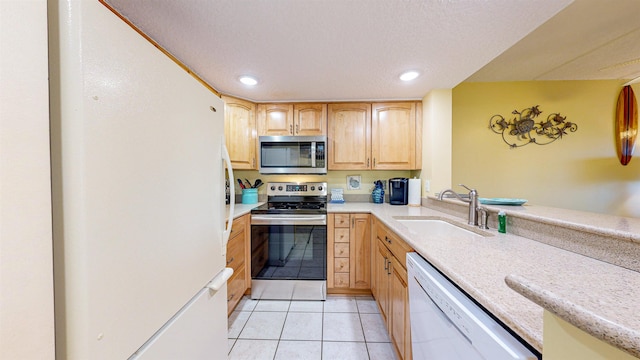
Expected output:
(138, 183)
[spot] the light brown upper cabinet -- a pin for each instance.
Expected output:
(393, 136)
(240, 132)
(292, 119)
(378, 136)
(349, 136)
(310, 119)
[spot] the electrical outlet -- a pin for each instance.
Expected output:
(427, 186)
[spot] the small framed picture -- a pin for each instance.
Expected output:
(353, 182)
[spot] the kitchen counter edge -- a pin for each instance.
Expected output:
(241, 209)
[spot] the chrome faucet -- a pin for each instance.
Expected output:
(473, 203)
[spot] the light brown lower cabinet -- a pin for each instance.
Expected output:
(400, 328)
(348, 252)
(238, 249)
(390, 287)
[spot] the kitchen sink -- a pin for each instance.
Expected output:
(434, 225)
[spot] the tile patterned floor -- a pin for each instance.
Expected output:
(342, 327)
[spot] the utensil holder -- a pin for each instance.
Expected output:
(249, 196)
(377, 196)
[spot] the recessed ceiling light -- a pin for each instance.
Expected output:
(248, 80)
(409, 75)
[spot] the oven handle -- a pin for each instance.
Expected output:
(288, 220)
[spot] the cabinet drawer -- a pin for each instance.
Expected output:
(398, 248)
(239, 224)
(341, 265)
(235, 251)
(341, 280)
(341, 235)
(236, 286)
(341, 250)
(341, 221)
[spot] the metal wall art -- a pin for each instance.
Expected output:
(523, 129)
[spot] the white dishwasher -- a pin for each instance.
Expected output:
(447, 325)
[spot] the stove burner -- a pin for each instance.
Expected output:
(294, 198)
(296, 205)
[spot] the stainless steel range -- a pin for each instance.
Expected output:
(289, 243)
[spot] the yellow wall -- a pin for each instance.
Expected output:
(436, 141)
(580, 171)
(564, 341)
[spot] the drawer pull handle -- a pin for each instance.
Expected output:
(386, 264)
(230, 261)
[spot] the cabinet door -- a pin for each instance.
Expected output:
(349, 136)
(236, 287)
(240, 132)
(310, 119)
(275, 120)
(399, 309)
(382, 278)
(360, 251)
(373, 252)
(393, 136)
(238, 253)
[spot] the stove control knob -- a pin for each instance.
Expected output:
(319, 188)
(273, 187)
(313, 188)
(279, 188)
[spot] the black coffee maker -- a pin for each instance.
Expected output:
(398, 191)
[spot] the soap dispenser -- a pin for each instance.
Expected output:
(502, 222)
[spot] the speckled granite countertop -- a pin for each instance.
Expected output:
(593, 295)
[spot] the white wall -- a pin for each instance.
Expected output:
(26, 275)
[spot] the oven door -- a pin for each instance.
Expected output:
(289, 247)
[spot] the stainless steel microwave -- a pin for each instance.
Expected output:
(292, 154)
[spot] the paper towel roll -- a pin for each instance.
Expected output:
(414, 192)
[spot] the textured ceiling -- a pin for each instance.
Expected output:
(588, 40)
(336, 49)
